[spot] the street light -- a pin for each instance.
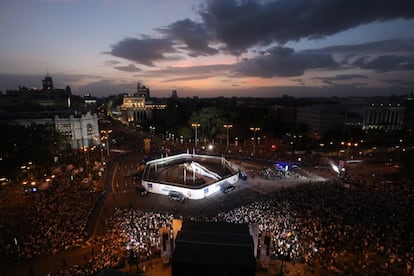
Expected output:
(195, 125)
(227, 135)
(107, 132)
(254, 129)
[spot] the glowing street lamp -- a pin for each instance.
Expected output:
(195, 125)
(227, 134)
(254, 129)
(106, 137)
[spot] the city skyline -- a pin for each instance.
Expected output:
(210, 48)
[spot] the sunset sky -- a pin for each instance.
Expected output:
(212, 48)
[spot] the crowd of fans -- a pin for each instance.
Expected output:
(54, 217)
(361, 227)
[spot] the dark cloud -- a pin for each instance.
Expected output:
(283, 62)
(344, 77)
(383, 46)
(234, 26)
(188, 78)
(399, 82)
(190, 73)
(107, 87)
(194, 35)
(243, 24)
(380, 56)
(386, 63)
(143, 51)
(129, 68)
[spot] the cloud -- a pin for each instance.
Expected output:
(387, 63)
(282, 62)
(111, 62)
(129, 68)
(233, 27)
(189, 73)
(383, 47)
(107, 87)
(194, 35)
(399, 82)
(243, 24)
(188, 78)
(344, 77)
(379, 56)
(143, 51)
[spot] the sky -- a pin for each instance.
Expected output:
(262, 48)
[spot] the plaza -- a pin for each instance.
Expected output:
(195, 176)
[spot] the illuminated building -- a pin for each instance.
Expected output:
(81, 130)
(139, 108)
(383, 116)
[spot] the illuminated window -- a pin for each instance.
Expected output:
(89, 129)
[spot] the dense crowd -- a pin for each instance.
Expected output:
(131, 233)
(358, 228)
(54, 219)
(361, 227)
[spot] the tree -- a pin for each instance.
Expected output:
(36, 143)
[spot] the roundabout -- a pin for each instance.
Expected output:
(194, 176)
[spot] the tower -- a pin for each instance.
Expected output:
(174, 95)
(142, 91)
(47, 83)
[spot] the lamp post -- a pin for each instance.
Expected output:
(227, 135)
(195, 125)
(254, 129)
(106, 137)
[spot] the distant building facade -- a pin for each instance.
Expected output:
(50, 105)
(321, 118)
(363, 113)
(81, 130)
(139, 108)
(377, 114)
(385, 117)
(35, 99)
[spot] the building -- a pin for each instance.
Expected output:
(50, 105)
(375, 114)
(81, 130)
(213, 248)
(34, 99)
(387, 117)
(134, 109)
(142, 91)
(139, 108)
(321, 118)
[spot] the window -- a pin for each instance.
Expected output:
(89, 129)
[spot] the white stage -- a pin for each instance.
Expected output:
(191, 166)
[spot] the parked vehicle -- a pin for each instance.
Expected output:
(141, 190)
(174, 195)
(226, 188)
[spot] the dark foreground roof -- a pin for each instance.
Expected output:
(222, 246)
